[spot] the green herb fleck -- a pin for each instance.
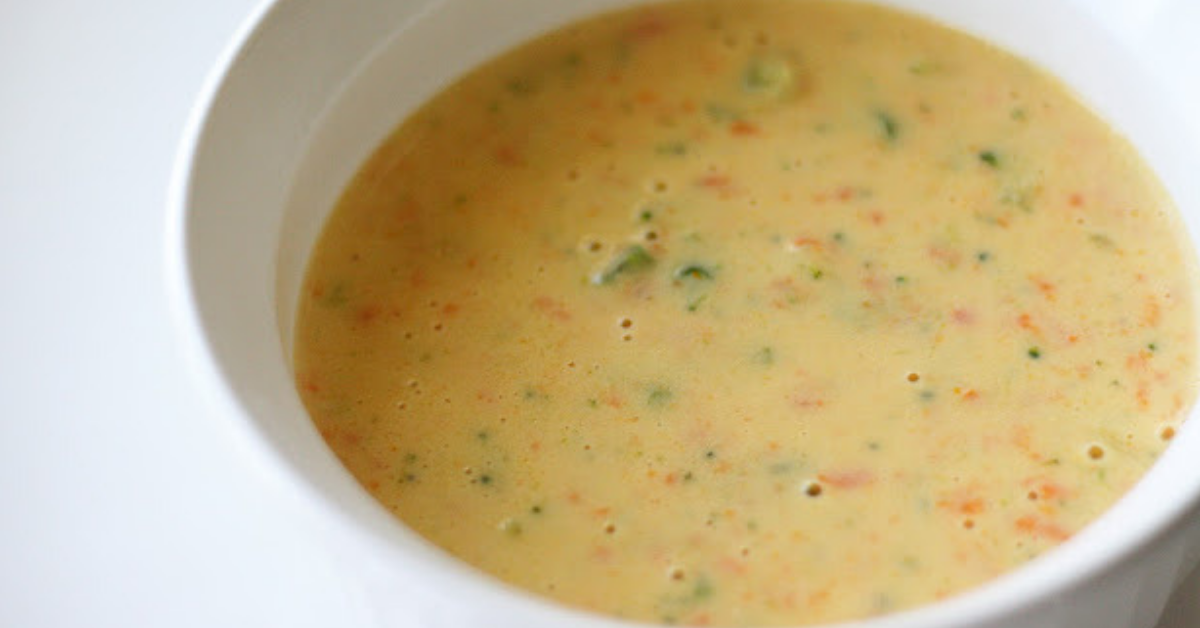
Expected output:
(520, 87)
(1102, 241)
(693, 271)
(764, 356)
(923, 67)
(983, 256)
(659, 396)
(676, 148)
(1035, 353)
(483, 436)
(990, 158)
(511, 527)
(816, 273)
(695, 303)
(703, 589)
(627, 261)
(1022, 196)
(337, 296)
(767, 75)
(1152, 346)
(888, 126)
(485, 479)
(901, 280)
(721, 114)
(783, 467)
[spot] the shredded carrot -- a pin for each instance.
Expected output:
(648, 27)
(1045, 287)
(646, 97)
(1045, 488)
(509, 156)
(1151, 312)
(599, 138)
(741, 127)
(1025, 321)
(731, 565)
(1143, 396)
(307, 381)
(612, 398)
(949, 257)
(1022, 438)
(1035, 526)
(368, 313)
(964, 501)
(552, 308)
(602, 554)
(853, 478)
(808, 402)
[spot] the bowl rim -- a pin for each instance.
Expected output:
(1039, 582)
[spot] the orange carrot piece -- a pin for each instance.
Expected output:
(853, 478)
(743, 128)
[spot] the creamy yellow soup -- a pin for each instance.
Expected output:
(750, 313)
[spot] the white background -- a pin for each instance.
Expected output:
(121, 501)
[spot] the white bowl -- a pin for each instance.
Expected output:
(310, 88)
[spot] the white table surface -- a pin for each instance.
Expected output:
(121, 502)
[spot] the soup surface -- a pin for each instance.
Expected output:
(750, 313)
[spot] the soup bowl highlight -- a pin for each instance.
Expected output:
(310, 90)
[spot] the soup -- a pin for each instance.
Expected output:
(750, 313)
